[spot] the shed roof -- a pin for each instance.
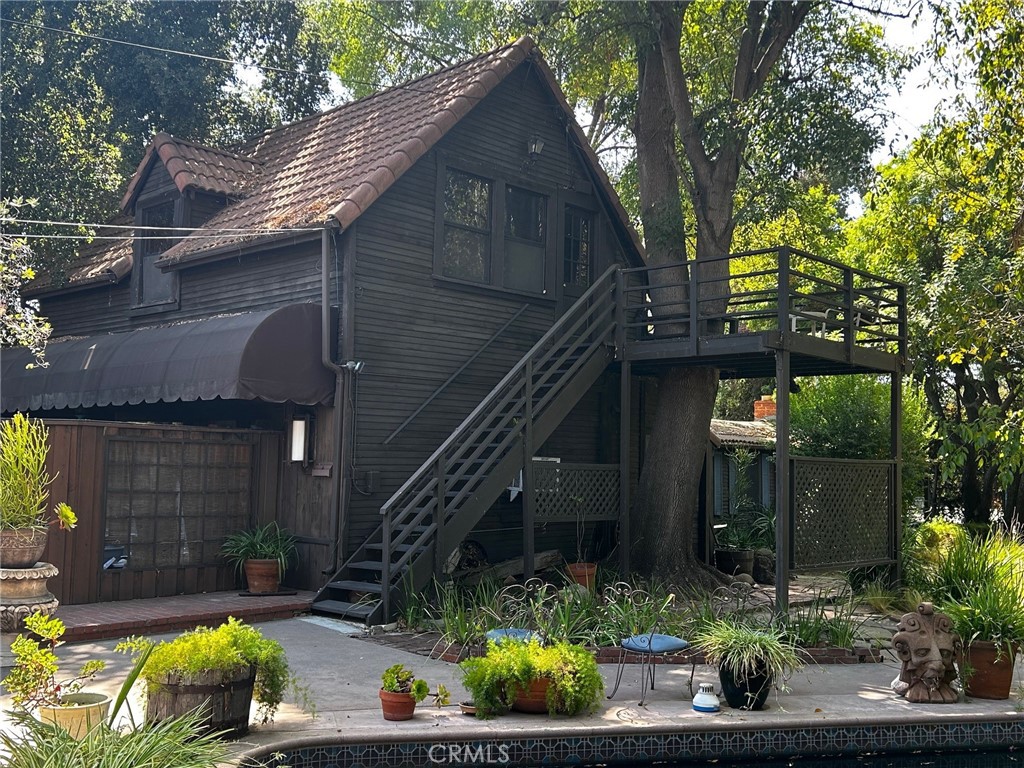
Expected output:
(743, 434)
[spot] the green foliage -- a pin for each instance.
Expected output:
(24, 481)
(171, 743)
(267, 542)
(828, 619)
(848, 417)
(509, 667)
(20, 322)
(732, 642)
(400, 679)
(33, 681)
(228, 648)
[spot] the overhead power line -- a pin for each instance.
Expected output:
(187, 230)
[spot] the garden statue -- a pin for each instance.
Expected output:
(929, 650)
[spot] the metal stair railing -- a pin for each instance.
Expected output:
(415, 516)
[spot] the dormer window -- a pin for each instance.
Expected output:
(152, 287)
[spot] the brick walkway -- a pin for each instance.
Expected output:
(98, 621)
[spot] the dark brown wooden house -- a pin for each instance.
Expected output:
(411, 321)
(431, 234)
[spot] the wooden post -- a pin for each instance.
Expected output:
(896, 446)
(783, 512)
(529, 491)
(694, 296)
(440, 471)
(625, 381)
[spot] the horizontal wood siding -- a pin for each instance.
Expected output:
(413, 330)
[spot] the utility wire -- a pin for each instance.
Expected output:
(136, 228)
(42, 236)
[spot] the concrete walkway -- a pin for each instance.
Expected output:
(342, 674)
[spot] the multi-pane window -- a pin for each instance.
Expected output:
(578, 247)
(154, 285)
(525, 234)
(467, 227)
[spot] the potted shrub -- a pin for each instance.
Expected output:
(24, 493)
(561, 679)
(263, 554)
(34, 685)
(583, 571)
(220, 669)
(750, 659)
(401, 691)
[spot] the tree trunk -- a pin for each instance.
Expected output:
(665, 509)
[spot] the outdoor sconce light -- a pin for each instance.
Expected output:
(302, 439)
(534, 146)
(354, 365)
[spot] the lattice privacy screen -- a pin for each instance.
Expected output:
(564, 491)
(843, 512)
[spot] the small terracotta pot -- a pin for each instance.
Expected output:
(993, 671)
(21, 547)
(397, 706)
(583, 573)
(262, 576)
(534, 700)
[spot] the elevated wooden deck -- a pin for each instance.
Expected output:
(829, 317)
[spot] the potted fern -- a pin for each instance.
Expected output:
(401, 691)
(263, 554)
(24, 493)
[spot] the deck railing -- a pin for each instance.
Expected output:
(782, 289)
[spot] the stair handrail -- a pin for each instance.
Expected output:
(447, 382)
(507, 379)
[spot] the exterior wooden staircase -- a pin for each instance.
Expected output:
(427, 518)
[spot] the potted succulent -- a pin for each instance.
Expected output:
(750, 659)
(221, 669)
(560, 679)
(34, 685)
(24, 493)
(263, 554)
(401, 691)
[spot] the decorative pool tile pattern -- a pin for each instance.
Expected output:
(643, 748)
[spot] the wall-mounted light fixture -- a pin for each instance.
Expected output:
(534, 146)
(354, 365)
(302, 439)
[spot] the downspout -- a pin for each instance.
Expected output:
(337, 501)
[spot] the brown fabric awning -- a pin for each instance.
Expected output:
(272, 356)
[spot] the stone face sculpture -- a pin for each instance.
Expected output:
(930, 651)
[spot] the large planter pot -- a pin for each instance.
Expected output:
(84, 711)
(534, 700)
(992, 674)
(583, 574)
(397, 706)
(225, 697)
(749, 693)
(21, 547)
(735, 561)
(262, 576)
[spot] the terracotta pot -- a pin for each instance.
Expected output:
(583, 574)
(21, 547)
(534, 700)
(397, 706)
(84, 711)
(749, 693)
(993, 670)
(262, 576)
(734, 561)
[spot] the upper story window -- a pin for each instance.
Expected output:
(578, 247)
(153, 286)
(493, 233)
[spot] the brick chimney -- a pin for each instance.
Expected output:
(765, 407)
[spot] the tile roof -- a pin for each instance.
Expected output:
(102, 261)
(743, 434)
(193, 166)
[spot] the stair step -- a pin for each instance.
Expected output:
(367, 565)
(357, 586)
(378, 546)
(341, 608)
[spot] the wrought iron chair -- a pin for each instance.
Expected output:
(517, 612)
(641, 615)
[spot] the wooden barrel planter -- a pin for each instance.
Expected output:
(225, 697)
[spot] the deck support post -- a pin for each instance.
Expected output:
(896, 451)
(529, 493)
(625, 379)
(783, 510)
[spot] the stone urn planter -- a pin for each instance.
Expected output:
(21, 547)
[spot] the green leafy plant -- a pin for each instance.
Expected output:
(33, 681)
(829, 618)
(400, 679)
(24, 481)
(509, 667)
(267, 542)
(748, 650)
(228, 648)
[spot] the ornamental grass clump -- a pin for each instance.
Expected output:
(748, 650)
(24, 481)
